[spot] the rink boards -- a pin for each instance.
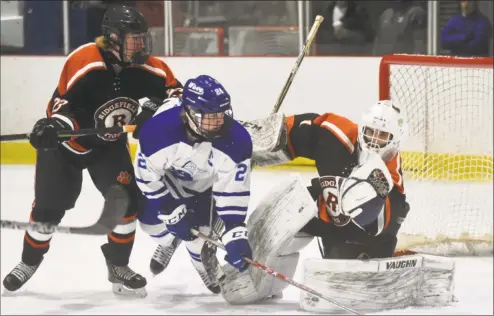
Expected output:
(418, 166)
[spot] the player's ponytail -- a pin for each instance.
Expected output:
(101, 42)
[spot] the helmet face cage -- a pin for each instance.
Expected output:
(381, 142)
(375, 139)
(136, 47)
(382, 129)
(208, 125)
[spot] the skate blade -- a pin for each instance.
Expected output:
(123, 290)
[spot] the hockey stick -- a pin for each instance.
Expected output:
(277, 275)
(79, 132)
(305, 50)
(115, 207)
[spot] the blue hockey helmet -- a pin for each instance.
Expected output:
(206, 103)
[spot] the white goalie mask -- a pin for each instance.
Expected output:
(382, 129)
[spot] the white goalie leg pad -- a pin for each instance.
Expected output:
(275, 240)
(237, 287)
(240, 288)
(280, 215)
(378, 284)
(437, 285)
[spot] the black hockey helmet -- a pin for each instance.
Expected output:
(120, 21)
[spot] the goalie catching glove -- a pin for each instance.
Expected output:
(361, 197)
(237, 247)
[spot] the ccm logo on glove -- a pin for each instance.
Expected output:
(237, 246)
(174, 217)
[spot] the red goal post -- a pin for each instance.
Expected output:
(448, 154)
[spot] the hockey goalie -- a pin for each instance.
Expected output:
(354, 209)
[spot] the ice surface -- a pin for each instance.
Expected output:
(72, 278)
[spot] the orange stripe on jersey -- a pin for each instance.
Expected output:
(81, 61)
(323, 214)
(289, 122)
(394, 167)
(159, 68)
(387, 212)
(344, 129)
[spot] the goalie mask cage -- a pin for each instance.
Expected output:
(447, 154)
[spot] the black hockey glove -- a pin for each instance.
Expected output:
(44, 133)
(148, 108)
(175, 92)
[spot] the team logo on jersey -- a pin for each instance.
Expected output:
(117, 112)
(186, 172)
(124, 177)
(339, 219)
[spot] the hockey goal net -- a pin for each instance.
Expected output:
(447, 156)
(263, 41)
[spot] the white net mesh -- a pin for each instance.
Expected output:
(263, 41)
(447, 157)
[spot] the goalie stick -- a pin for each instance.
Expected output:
(114, 209)
(300, 57)
(79, 132)
(276, 274)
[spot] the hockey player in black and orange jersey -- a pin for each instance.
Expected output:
(98, 87)
(344, 150)
(335, 144)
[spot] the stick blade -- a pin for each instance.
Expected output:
(114, 209)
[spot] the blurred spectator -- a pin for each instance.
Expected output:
(351, 22)
(401, 29)
(467, 33)
(347, 29)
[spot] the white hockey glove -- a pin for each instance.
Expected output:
(237, 246)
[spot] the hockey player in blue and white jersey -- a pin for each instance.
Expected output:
(193, 166)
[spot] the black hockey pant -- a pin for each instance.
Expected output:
(58, 182)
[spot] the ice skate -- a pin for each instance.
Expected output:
(162, 256)
(19, 276)
(213, 286)
(125, 281)
(208, 268)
